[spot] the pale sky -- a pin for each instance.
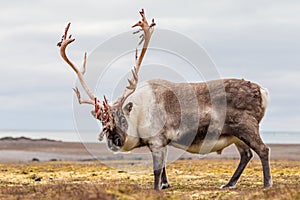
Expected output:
(256, 40)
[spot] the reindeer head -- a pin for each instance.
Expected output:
(112, 117)
(115, 125)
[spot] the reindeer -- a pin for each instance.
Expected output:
(161, 113)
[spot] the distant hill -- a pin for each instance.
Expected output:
(28, 139)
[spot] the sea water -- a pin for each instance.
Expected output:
(269, 137)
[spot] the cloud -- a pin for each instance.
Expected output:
(255, 40)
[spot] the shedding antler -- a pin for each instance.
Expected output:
(65, 41)
(103, 111)
(145, 37)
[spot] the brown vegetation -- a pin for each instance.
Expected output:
(189, 179)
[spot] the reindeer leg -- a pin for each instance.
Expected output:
(164, 180)
(263, 152)
(159, 156)
(249, 134)
(246, 155)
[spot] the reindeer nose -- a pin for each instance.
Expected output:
(118, 141)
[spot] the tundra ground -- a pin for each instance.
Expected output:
(189, 179)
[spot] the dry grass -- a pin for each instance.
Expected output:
(189, 179)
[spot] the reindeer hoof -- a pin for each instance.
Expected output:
(165, 185)
(227, 186)
(268, 186)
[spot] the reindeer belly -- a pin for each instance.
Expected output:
(207, 146)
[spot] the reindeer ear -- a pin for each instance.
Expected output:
(128, 108)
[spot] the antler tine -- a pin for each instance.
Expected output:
(80, 100)
(145, 37)
(136, 54)
(134, 73)
(148, 30)
(84, 64)
(66, 40)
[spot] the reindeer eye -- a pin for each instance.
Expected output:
(123, 121)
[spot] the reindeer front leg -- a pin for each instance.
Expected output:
(164, 179)
(159, 154)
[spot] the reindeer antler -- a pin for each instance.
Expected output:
(65, 41)
(147, 32)
(103, 111)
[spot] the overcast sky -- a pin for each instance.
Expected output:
(256, 40)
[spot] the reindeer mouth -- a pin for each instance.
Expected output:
(114, 141)
(114, 145)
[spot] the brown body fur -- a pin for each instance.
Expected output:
(244, 111)
(241, 96)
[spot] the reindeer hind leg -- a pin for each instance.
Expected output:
(263, 151)
(249, 134)
(245, 157)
